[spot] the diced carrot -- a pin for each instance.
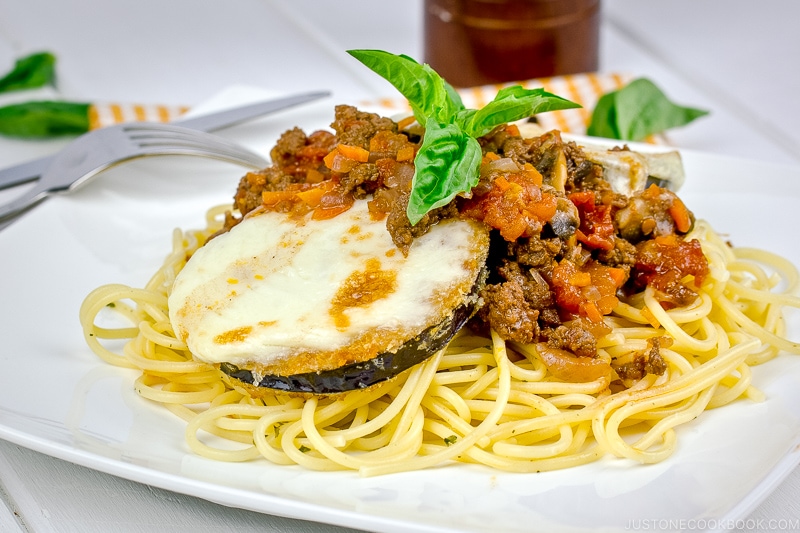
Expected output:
(405, 153)
(328, 159)
(338, 162)
(512, 129)
(274, 197)
(667, 240)
(606, 304)
(312, 197)
(314, 176)
(580, 279)
(534, 175)
(356, 153)
(491, 156)
(592, 313)
(501, 183)
(617, 275)
(322, 213)
(652, 192)
(680, 214)
(403, 123)
(650, 318)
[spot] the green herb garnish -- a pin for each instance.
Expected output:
(450, 440)
(636, 111)
(33, 71)
(448, 162)
(39, 119)
(44, 119)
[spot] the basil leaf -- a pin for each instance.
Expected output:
(427, 92)
(637, 110)
(35, 70)
(44, 119)
(510, 104)
(604, 118)
(448, 163)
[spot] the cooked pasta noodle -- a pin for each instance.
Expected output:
(479, 400)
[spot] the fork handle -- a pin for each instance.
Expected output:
(23, 202)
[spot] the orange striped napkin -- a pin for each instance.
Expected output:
(584, 89)
(106, 114)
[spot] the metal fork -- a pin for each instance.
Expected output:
(88, 155)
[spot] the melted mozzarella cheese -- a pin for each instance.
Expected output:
(277, 286)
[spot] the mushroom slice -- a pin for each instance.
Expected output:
(665, 169)
(629, 172)
(325, 306)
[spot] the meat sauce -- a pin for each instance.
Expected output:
(565, 247)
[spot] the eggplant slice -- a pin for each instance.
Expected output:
(299, 305)
(362, 375)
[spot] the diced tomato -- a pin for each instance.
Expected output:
(588, 291)
(597, 229)
(515, 205)
(664, 262)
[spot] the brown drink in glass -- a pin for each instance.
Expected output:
(480, 42)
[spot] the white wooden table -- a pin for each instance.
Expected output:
(737, 58)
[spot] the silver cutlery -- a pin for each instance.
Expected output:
(91, 153)
(31, 170)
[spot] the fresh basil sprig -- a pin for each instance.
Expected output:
(448, 162)
(42, 119)
(30, 72)
(39, 119)
(637, 110)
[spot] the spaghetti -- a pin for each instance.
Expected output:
(479, 400)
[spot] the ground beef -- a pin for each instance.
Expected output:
(356, 127)
(507, 312)
(648, 362)
(573, 337)
(582, 173)
(542, 152)
(296, 153)
(514, 305)
(534, 251)
(248, 193)
(401, 230)
(283, 153)
(623, 255)
(362, 180)
(534, 287)
(495, 140)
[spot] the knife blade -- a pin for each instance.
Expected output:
(31, 170)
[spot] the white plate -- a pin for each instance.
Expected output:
(56, 397)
